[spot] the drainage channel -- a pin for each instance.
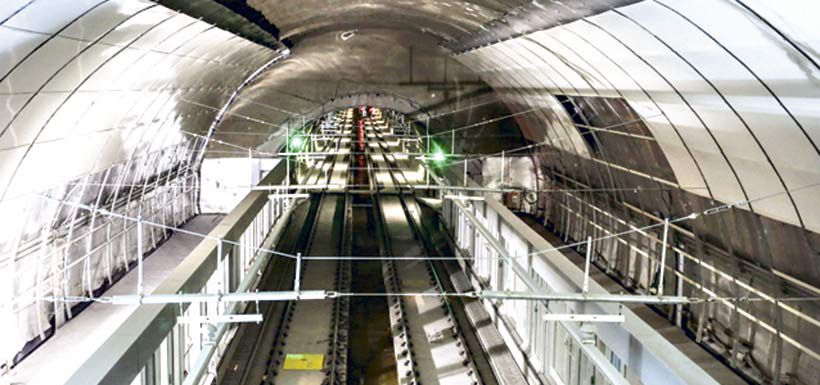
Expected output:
(371, 357)
(372, 360)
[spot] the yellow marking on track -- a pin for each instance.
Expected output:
(304, 361)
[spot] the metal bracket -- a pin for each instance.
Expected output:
(216, 319)
(608, 318)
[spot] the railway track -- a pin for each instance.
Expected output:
(428, 343)
(310, 342)
(297, 336)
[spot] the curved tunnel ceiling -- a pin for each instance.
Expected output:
(326, 67)
(720, 113)
(734, 117)
(345, 48)
(741, 129)
(443, 19)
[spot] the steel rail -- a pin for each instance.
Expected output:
(436, 284)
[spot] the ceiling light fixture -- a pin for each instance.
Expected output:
(348, 34)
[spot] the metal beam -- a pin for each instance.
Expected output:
(609, 318)
(261, 296)
(291, 196)
(234, 16)
(588, 297)
(464, 197)
(219, 319)
(296, 187)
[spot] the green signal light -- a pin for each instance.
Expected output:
(439, 156)
(296, 142)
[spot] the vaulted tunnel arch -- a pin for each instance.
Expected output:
(629, 112)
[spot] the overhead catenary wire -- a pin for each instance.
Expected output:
(483, 122)
(574, 296)
(691, 216)
(438, 115)
(522, 112)
(461, 128)
(280, 109)
(466, 159)
(255, 120)
(420, 136)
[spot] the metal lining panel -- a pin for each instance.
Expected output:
(15, 45)
(103, 18)
(43, 64)
(748, 110)
(51, 16)
(739, 147)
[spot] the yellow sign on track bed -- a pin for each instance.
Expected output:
(304, 362)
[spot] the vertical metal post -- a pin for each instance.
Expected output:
(465, 172)
(139, 256)
(109, 252)
(778, 347)
(250, 163)
(663, 255)
(679, 289)
(219, 269)
(452, 142)
(503, 167)
(287, 157)
(586, 265)
(297, 278)
(427, 128)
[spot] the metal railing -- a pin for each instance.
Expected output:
(227, 260)
(556, 343)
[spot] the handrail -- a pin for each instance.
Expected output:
(120, 358)
(599, 361)
(200, 366)
(676, 363)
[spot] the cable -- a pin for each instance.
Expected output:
(159, 225)
(691, 216)
(419, 120)
(484, 122)
(255, 120)
(291, 113)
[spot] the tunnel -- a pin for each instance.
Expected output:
(413, 192)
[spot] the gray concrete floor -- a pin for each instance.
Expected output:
(59, 357)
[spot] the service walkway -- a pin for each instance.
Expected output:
(663, 326)
(60, 356)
